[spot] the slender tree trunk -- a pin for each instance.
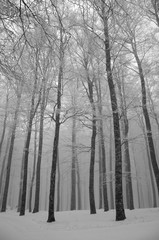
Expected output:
(102, 146)
(111, 168)
(10, 154)
(73, 168)
(58, 184)
(3, 167)
(20, 184)
(92, 162)
(79, 187)
(38, 168)
(147, 119)
(150, 166)
(51, 214)
(34, 167)
(100, 171)
(120, 213)
(4, 122)
(32, 112)
(93, 143)
(125, 130)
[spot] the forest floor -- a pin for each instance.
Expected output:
(140, 224)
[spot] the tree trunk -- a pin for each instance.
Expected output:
(78, 187)
(3, 167)
(103, 155)
(92, 161)
(73, 168)
(34, 166)
(100, 172)
(51, 214)
(120, 213)
(111, 168)
(58, 183)
(4, 122)
(150, 166)
(32, 112)
(10, 154)
(38, 168)
(125, 130)
(147, 119)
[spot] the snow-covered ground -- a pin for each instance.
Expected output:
(141, 224)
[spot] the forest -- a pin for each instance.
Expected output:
(79, 115)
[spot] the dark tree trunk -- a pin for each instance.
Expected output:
(103, 155)
(147, 119)
(10, 154)
(38, 168)
(32, 112)
(120, 213)
(73, 168)
(25, 170)
(150, 166)
(93, 145)
(3, 167)
(111, 168)
(58, 184)
(78, 187)
(51, 214)
(34, 167)
(92, 161)
(125, 143)
(100, 172)
(20, 184)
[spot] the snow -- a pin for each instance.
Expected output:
(140, 224)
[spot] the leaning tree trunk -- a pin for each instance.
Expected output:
(51, 212)
(38, 168)
(120, 213)
(10, 154)
(147, 119)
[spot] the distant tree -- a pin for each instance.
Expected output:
(11, 147)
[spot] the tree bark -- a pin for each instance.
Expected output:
(125, 130)
(120, 213)
(58, 183)
(51, 214)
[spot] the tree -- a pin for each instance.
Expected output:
(42, 109)
(11, 147)
(33, 109)
(120, 213)
(125, 141)
(51, 217)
